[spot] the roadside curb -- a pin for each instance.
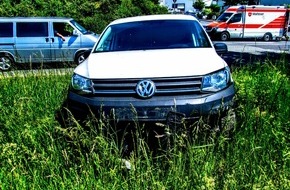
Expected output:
(285, 38)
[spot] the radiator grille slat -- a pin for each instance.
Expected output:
(164, 86)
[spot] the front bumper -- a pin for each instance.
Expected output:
(153, 109)
(213, 33)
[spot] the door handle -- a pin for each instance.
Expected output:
(52, 39)
(47, 39)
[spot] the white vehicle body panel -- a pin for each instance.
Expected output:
(151, 63)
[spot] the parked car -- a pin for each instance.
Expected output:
(137, 71)
(191, 14)
(26, 40)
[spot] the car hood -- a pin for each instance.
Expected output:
(151, 63)
(217, 24)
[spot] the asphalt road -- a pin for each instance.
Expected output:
(244, 52)
(258, 47)
(249, 51)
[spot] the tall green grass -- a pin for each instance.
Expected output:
(36, 152)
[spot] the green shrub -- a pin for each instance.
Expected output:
(93, 15)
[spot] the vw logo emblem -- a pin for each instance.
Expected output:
(145, 88)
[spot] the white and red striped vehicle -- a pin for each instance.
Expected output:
(255, 21)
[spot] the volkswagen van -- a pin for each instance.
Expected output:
(26, 40)
(153, 68)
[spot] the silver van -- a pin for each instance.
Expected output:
(42, 40)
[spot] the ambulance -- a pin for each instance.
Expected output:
(250, 21)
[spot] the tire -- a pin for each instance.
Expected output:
(228, 122)
(6, 63)
(224, 124)
(80, 58)
(224, 36)
(267, 37)
(66, 118)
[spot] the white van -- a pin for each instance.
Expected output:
(252, 21)
(153, 68)
(42, 40)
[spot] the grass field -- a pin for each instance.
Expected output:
(36, 152)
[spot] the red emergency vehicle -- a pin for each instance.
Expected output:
(255, 21)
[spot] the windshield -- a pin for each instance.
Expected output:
(80, 27)
(156, 34)
(224, 17)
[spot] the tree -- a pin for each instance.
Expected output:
(93, 15)
(252, 2)
(199, 4)
(214, 8)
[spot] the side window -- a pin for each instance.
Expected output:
(106, 41)
(6, 29)
(32, 29)
(62, 28)
(236, 18)
(199, 36)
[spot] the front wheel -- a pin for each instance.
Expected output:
(225, 123)
(228, 122)
(6, 63)
(224, 36)
(80, 58)
(267, 37)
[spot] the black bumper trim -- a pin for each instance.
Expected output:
(154, 109)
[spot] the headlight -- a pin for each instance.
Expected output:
(216, 81)
(81, 84)
(215, 29)
(207, 27)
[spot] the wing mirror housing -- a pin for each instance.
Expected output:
(221, 48)
(75, 32)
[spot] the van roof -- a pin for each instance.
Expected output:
(253, 7)
(35, 18)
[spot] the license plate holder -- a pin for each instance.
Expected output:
(175, 118)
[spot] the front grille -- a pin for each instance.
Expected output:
(164, 86)
(208, 28)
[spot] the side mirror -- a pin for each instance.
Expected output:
(87, 53)
(75, 32)
(221, 48)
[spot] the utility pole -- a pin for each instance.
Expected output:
(174, 5)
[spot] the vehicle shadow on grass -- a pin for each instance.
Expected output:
(42, 66)
(160, 139)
